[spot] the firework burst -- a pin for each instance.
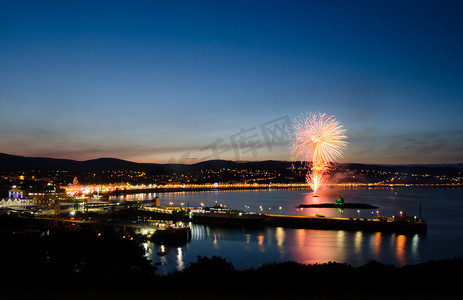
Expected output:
(318, 140)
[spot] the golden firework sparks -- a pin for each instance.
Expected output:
(318, 140)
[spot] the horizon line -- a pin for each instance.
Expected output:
(226, 160)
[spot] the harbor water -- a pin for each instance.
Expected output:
(249, 247)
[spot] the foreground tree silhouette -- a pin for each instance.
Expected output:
(211, 274)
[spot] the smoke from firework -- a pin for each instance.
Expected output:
(318, 140)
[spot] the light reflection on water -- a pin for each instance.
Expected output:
(180, 264)
(251, 247)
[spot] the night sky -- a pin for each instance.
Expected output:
(186, 81)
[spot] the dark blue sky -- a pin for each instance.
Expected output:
(158, 81)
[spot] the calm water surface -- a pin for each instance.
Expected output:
(442, 208)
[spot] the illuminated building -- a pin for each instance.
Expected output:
(15, 193)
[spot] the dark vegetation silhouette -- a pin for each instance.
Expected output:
(73, 260)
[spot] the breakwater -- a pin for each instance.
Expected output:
(349, 224)
(305, 222)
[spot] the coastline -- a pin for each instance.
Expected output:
(301, 186)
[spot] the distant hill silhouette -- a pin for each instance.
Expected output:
(15, 162)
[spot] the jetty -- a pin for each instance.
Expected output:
(380, 224)
(228, 217)
(342, 206)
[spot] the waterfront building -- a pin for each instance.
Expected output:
(15, 193)
(47, 195)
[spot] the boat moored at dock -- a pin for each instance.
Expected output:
(219, 215)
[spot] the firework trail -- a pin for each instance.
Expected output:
(318, 140)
